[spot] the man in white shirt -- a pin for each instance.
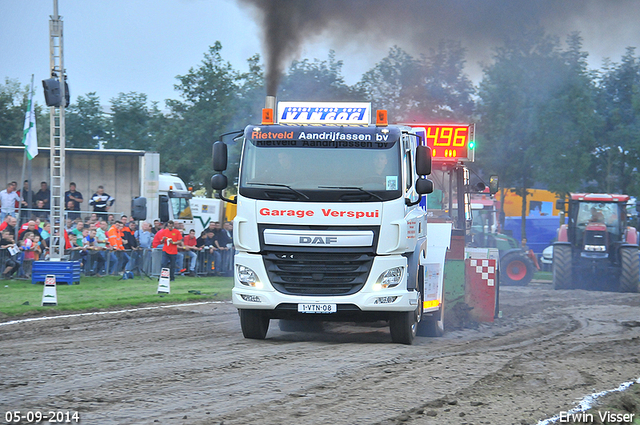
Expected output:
(8, 199)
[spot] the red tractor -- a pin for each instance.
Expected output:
(596, 249)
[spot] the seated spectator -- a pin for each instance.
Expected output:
(69, 225)
(29, 249)
(212, 257)
(40, 212)
(157, 226)
(71, 211)
(9, 223)
(29, 226)
(190, 247)
(95, 258)
(12, 264)
(79, 228)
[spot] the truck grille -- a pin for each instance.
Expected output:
(318, 274)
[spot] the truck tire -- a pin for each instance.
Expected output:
(432, 326)
(517, 269)
(561, 267)
(403, 326)
(629, 269)
(254, 324)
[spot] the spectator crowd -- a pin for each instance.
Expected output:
(106, 243)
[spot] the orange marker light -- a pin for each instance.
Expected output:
(381, 118)
(429, 304)
(267, 116)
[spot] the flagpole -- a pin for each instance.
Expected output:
(24, 164)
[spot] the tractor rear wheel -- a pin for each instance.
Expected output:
(629, 269)
(562, 274)
(517, 269)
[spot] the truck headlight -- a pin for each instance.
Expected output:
(248, 277)
(389, 279)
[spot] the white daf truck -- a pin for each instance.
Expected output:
(328, 223)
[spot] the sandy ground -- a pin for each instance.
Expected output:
(191, 365)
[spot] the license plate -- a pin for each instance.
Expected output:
(317, 308)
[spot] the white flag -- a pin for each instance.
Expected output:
(30, 136)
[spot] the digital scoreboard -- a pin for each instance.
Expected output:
(448, 142)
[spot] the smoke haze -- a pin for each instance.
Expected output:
(418, 25)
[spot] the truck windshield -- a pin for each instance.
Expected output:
(181, 208)
(310, 173)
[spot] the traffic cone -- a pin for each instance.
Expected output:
(164, 283)
(49, 295)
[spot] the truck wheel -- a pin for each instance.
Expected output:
(403, 326)
(562, 274)
(517, 269)
(432, 326)
(254, 324)
(629, 269)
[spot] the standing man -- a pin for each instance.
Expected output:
(101, 202)
(43, 194)
(171, 239)
(115, 235)
(26, 195)
(72, 195)
(8, 199)
(224, 242)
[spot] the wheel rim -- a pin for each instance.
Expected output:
(516, 270)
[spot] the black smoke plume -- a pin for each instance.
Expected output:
(420, 24)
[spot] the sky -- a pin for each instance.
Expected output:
(141, 46)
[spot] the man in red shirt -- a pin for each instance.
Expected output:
(191, 248)
(171, 239)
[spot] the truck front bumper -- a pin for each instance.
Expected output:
(372, 298)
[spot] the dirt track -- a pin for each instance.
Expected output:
(190, 365)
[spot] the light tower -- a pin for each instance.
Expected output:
(57, 137)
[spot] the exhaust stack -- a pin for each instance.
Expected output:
(268, 112)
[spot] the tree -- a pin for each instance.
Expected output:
(318, 81)
(130, 119)
(535, 105)
(433, 87)
(13, 104)
(85, 123)
(210, 95)
(567, 136)
(446, 92)
(618, 151)
(392, 84)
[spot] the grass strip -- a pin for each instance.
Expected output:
(22, 298)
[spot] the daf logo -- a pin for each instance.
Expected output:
(318, 240)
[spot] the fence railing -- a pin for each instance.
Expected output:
(141, 261)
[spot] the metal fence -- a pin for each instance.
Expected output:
(139, 261)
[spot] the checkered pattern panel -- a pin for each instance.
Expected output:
(487, 269)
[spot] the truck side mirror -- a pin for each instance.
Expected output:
(219, 182)
(560, 204)
(493, 184)
(219, 156)
(423, 160)
(164, 209)
(424, 186)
